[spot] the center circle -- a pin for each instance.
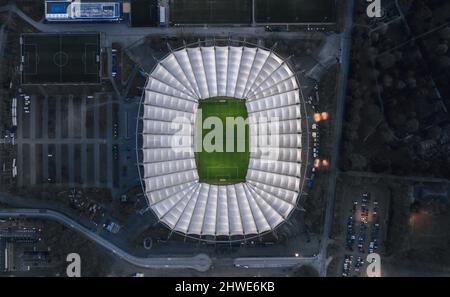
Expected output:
(61, 59)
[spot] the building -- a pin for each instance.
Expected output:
(272, 187)
(19, 235)
(162, 16)
(67, 11)
(10, 241)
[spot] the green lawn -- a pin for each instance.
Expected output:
(227, 167)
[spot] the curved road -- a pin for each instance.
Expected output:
(199, 262)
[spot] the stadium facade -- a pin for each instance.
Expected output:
(273, 186)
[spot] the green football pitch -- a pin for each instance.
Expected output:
(228, 166)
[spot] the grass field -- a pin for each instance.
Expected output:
(60, 58)
(294, 11)
(211, 11)
(223, 167)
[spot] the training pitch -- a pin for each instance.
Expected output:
(60, 58)
(227, 167)
(211, 11)
(294, 11)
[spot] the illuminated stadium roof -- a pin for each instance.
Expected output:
(170, 179)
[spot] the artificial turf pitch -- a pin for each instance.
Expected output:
(294, 11)
(60, 58)
(221, 168)
(211, 11)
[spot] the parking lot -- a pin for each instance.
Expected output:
(363, 220)
(75, 140)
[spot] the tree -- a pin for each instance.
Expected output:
(380, 164)
(359, 162)
(406, 4)
(412, 125)
(434, 133)
(348, 147)
(386, 135)
(411, 82)
(401, 85)
(444, 62)
(441, 49)
(373, 114)
(386, 61)
(305, 271)
(424, 12)
(388, 81)
(445, 33)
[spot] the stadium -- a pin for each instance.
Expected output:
(222, 195)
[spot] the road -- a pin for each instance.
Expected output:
(275, 262)
(346, 41)
(199, 262)
(421, 179)
(121, 32)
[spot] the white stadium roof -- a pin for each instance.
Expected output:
(272, 186)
